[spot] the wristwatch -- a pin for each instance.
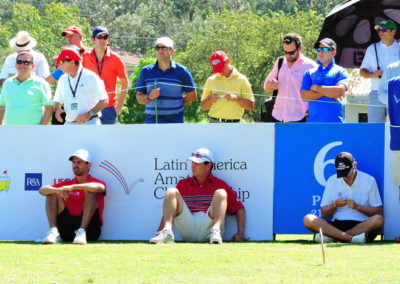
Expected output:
(91, 113)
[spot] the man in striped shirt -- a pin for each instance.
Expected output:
(198, 205)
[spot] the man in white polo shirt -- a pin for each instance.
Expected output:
(79, 90)
(352, 199)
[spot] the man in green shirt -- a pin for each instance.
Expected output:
(23, 96)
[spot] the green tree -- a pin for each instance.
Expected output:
(252, 42)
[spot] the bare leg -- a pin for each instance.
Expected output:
(54, 206)
(373, 223)
(90, 204)
(173, 206)
(313, 223)
(218, 208)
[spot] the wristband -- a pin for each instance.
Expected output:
(57, 73)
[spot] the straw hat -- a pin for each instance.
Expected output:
(22, 41)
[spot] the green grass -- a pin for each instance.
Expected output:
(287, 260)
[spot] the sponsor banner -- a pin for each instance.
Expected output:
(304, 160)
(138, 164)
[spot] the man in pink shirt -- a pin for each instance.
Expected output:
(289, 106)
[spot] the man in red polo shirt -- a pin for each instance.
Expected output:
(107, 64)
(75, 208)
(198, 205)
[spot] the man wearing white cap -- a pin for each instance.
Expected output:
(198, 206)
(79, 90)
(75, 205)
(161, 86)
(24, 43)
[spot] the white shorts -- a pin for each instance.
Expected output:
(194, 227)
(396, 167)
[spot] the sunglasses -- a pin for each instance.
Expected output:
(105, 37)
(382, 30)
(290, 52)
(200, 156)
(324, 49)
(25, 62)
(161, 47)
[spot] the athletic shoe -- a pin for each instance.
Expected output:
(317, 239)
(166, 236)
(52, 237)
(80, 237)
(359, 239)
(215, 236)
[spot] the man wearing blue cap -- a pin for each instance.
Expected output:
(352, 199)
(109, 67)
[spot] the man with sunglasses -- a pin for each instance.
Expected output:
(227, 93)
(324, 86)
(24, 95)
(79, 90)
(377, 57)
(198, 206)
(352, 199)
(107, 64)
(289, 107)
(161, 86)
(23, 42)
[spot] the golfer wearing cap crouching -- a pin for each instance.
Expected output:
(75, 207)
(351, 198)
(198, 206)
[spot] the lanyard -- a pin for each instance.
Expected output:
(73, 91)
(102, 61)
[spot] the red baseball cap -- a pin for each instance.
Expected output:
(218, 60)
(72, 30)
(68, 54)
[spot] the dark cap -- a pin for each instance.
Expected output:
(344, 162)
(99, 30)
(327, 42)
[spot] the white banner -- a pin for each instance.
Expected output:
(138, 163)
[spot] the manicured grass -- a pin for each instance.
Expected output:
(286, 260)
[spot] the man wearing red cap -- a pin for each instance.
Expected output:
(74, 208)
(227, 93)
(79, 90)
(107, 64)
(352, 199)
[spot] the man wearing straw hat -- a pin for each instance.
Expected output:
(24, 43)
(161, 86)
(227, 93)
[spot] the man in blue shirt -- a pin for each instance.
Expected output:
(324, 86)
(161, 86)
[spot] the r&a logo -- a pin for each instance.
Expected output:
(33, 181)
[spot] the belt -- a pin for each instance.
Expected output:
(225, 120)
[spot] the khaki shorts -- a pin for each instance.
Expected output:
(194, 227)
(396, 167)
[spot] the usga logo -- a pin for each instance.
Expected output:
(4, 182)
(33, 181)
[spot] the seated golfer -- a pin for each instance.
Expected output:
(198, 205)
(74, 208)
(352, 199)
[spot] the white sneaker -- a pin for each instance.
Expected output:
(53, 236)
(359, 239)
(215, 236)
(80, 237)
(327, 239)
(166, 236)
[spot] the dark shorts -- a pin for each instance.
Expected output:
(108, 115)
(345, 225)
(68, 224)
(171, 118)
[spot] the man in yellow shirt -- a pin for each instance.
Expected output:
(227, 93)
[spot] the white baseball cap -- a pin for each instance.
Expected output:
(201, 155)
(166, 41)
(81, 154)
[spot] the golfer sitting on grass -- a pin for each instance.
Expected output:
(352, 199)
(75, 207)
(198, 205)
